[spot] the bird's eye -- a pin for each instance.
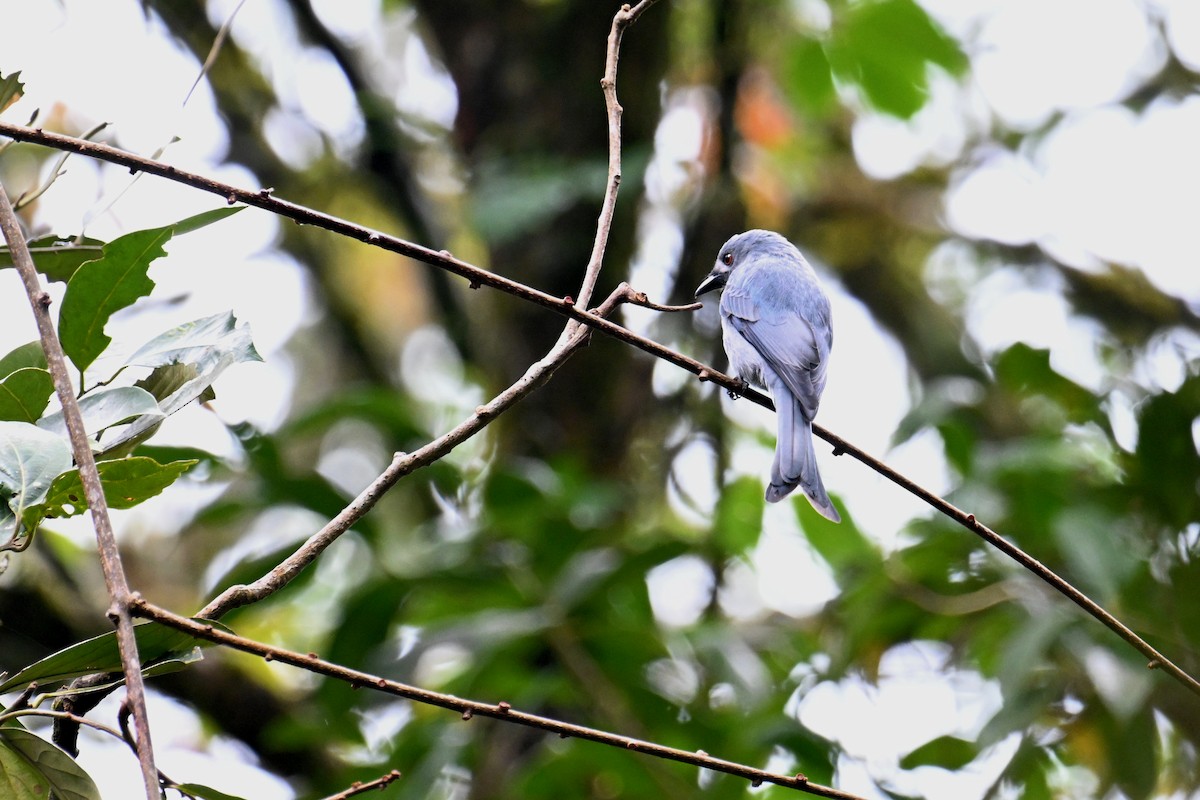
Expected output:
(728, 259)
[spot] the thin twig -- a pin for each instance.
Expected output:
(110, 557)
(473, 708)
(1156, 659)
(214, 51)
(359, 787)
(55, 173)
(402, 464)
(566, 307)
(624, 17)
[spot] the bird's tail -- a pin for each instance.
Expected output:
(795, 460)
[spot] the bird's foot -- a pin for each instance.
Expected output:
(739, 390)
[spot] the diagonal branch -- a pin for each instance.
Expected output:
(473, 708)
(402, 464)
(110, 556)
(567, 307)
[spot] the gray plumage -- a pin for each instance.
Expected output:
(777, 331)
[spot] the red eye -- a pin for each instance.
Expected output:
(728, 259)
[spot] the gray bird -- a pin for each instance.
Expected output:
(777, 330)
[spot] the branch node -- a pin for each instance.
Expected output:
(232, 199)
(474, 284)
(466, 715)
(266, 191)
(373, 238)
(704, 375)
(22, 701)
(268, 657)
(44, 300)
(568, 301)
(800, 778)
(1154, 664)
(312, 655)
(756, 782)
(503, 707)
(971, 523)
(381, 683)
(839, 451)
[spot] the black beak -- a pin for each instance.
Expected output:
(713, 281)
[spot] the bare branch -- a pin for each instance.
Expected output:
(110, 556)
(625, 17)
(403, 464)
(473, 708)
(360, 787)
(568, 308)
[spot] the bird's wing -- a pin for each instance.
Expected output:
(786, 341)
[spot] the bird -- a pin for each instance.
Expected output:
(777, 329)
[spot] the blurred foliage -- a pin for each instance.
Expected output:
(541, 564)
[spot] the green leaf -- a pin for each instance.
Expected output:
(30, 460)
(947, 752)
(886, 46)
(739, 512)
(157, 645)
(842, 546)
(204, 218)
(205, 792)
(807, 76)
(202, 343)
(126, 483)
(1025, 370)
(100, 288)
(207, 347)
(104, 408)
(11, 90)
(1166, 466)
(24, 394)
(29, 354)
(33, 769)
(58, 257)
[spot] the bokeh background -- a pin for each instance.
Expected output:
(1002, 199)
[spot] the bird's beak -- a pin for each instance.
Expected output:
(714, 280)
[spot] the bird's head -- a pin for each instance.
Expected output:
(734, 252)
